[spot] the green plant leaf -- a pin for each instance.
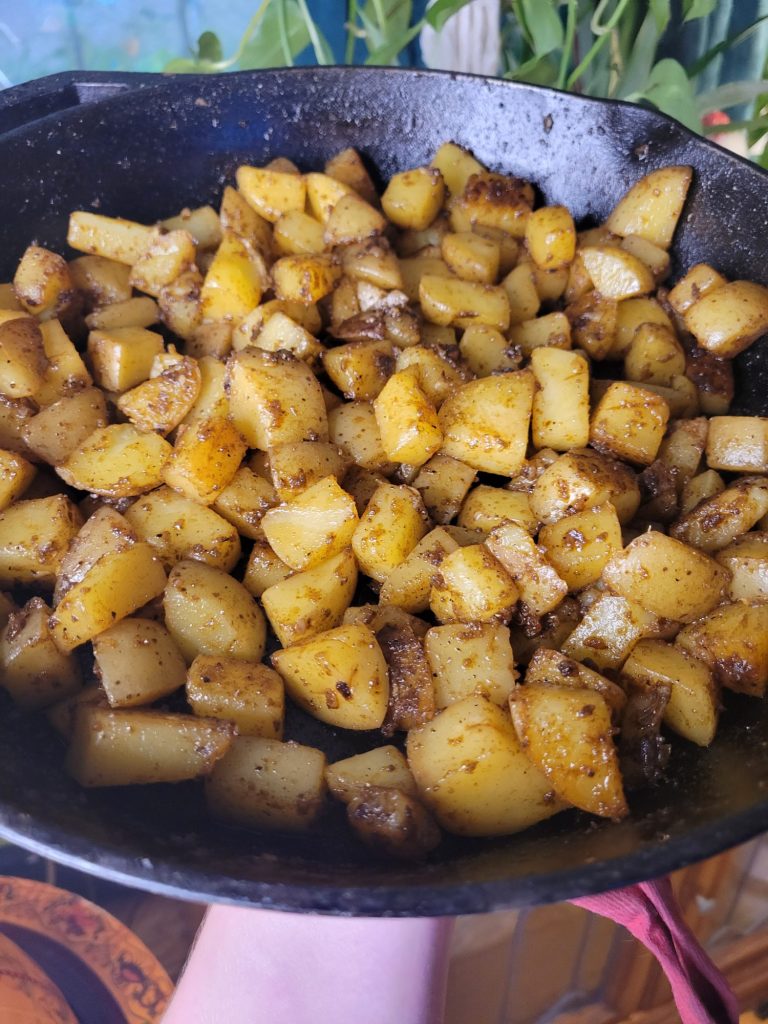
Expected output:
(209, 48)
(384, 55)
(731, 94)
(733, 40)
(323, 52)
(442, 10)
(544, 25)
(698, 8)
(642, 55)
(670, 90)
(266, 48)
(662, 12)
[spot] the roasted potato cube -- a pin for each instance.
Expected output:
(693, 706)
(324, 193)
(166, 257)
(267, 784)
(471, 586)
(487, 507)
(656, 259)
(105, 532)
(338, 676)
(581, 479)
(371, 262)
(715, 522)
(608, 632)
(738, 444)
(271, 193)
(250, 696)
(567, 734)
(122, 357)
(698, 281)
(413, 198)
(42, 283)
(560, 416)
(522, 294)
(281, 332)
(209, 612)
(347, 167)
(275, 399)
(438, 370)
(179, 303)
(666, 577)
(733, 641)
(552, 330)
(652, 206)
(413, 269)
(65, 372)
(15, 413)
(352, 219)
(629, 422)
(234, 282)
(389, 529)
(485, 423)
(493, 200)
(118, 461)
(470, 659)
(32, 668)
(449, 300)
(305, 278)
(726, 320)
(580, 545)
(550, 235)
(34, 536)
(296, 233)
(139, 311)
(176, 527)
(411, 693)
(123, 748)
(503, 791)
(555, 630)
(353, 428)
(101, 282)
(202, 223)
(471, 257)
(539, 586)
(551, 668)
(162, 403)
(409, 584)
(713, 378)
(16, 474)
(382, 767)
(295, 467)
(264, 568)
(616, 273)
(443, 483)
(593, 320)
(632, 314)
(485, 350)
(237, 216)
(313, 526)
(244, 501)
(23, 361)
(393, 823)
(457, 165)
(111, 237)
(408, 424)
(137, 663)
(204, 459)
(307, 603)
(654, 355)
(360, 369)
(747, 561)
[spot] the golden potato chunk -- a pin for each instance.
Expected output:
(137, 663)
(443, 483)
(413, 198)
(347, 167)
(699, 280)
(738, 444)
(471, 257)
(449, 300)
(629, 422)
(733, 641)
(244, 501)
(313, 526)
(470, 659)
(608, 632)
(306, 603)
(580, 545)
(551, 668)
(295, 467)
(382, 767)
(32, 668)
(61, 428)
(271, 193)
(250, 696)
(360, 369)
(389, 529)
(304, 278)
(165, 258)
(408, 424)
(550, 235)
(539, 586)
(746, 558)
(550, 331)
(34, 537)
(16, 474)
(204, 459)
(409, 584)
(581, 479)
(716, 521)
(560, 414)
(23, 361)
(162, 403)
(654, 356)
(122, 357)
(616, 273)
(264, 569)
(472, 586)
(726, 320)
(352, 219)
(393, 823)
(118, 461)
(110, 237)
(652, 207)
(457, 165)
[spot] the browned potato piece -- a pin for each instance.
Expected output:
(470, 659)
(550, 235)
(746, 558)
(102, 282)
(540, 588)
(652, 207)
(471, 257)
(352, 219)
(693, 706)
(244, 501)
(738, 444)
(551, 668)
(313, 526)
(42, 282)
(409, 584)
(282, 332)
(733, 641)
(304, 278)
(237, 216)
(715, 522)
(202, 223)
(360, 369)
(567, 733)
(297, 466)
(347, 167)
(560, 416)
(389, 529)
(267, 784)
(493, 200)
(486, 507)
(728, 319)
(443, 483)
(23, 361)
(124, 748)
(654, 355)
(629, 422)
(616, 273)
(122, 357)
(271, 192)
(162, 403)
(449, 300)
(250, 696)
(118, 461)
(413, 198)
(581, 479)
(699, 280)
(307, 603)
(61, 428)
(16, 474)
(632, 314)
(137, 663)
(411, 693)
(14, 415)
(382, 767)
(485, 350)
(339, 676)
(456, 165)
(34, 536)
(166, 257)
(264, 569)
(352, 427)
(593, 324)
(699, 489)
(204, 459)
(609, 631)
(504, 792)
(579, 546)
(408, 424)
(393, 823)
(32, 668)
(472, 586)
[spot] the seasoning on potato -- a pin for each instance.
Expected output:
(434, 466)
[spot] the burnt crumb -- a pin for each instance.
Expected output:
(344, 690)
(586, 712)
(530, 623)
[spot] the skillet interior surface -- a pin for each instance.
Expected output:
(145, 146)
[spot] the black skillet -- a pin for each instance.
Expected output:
(143, 147)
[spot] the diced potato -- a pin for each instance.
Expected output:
(16, 474)
(713, 378)
(296, 233)
(179, 303)
(23, 361)
(693, 706)
(551, 668)
(493, 200)
(616, 273)
(281, 332)
(140, 311)
(166, 257)
(471, 586)
(138, 663)
(747, 561)
(162, 403)
(726, 320)
(550, 235)
(324, 193)
(360, 369)
(63, 714)
(42, 283)
(310, 602)
(486, 350)
(239, 218)
(715, 522)
(438, 370)
(609, 631)
(485, 423)
(652, 207)
(176, 527)
(552, 330)
(738, 444)
(502, 792)
(383, 767)
(390, 528)
(264, 569)
(656, 259)
(471, 257)
(411, 693)
(393, 823)
(666, 577)
(443, 483)
(456, 165)
(581, 479)
(338, 676)
(124, 748)
(202, 223)
(629, 422)
(65, 372)
(352, 219)
(409, 584)
(654, 355)
(209, 612)
(32, 668)
(539, 586)
(413, 198)
(102, 282)
(488, 507)
(470, 659)
(593, 320)
(235, 281)
(267, 784)
(118, 461)
(698, 281)
(555, 629)
(122, 357)
(111, 237)
(271, 193)
(580, 545)
(295, 467)
(275, 399)
(522, 294)
(353, 428)
(313, 526)
(248, 330)
(733, 641)
(244, 501)
(408, 424)
(567, 733)
(347, 167)
(248, 695)
(304, 278)
(34, 536)
(204, 459)
(632, 314)
(417, 267)
(524, 481)
(381, 616)
(449, 300)
(105, 532)
(560, 416)
(15, 413)
(212, 398)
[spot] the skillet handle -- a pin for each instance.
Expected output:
(23, 105)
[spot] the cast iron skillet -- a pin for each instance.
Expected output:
(143, 147)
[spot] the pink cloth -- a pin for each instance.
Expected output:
(650, 912)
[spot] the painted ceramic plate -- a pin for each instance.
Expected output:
(106, 974)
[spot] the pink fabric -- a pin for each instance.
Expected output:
(650, 912)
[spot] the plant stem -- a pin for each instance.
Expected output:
(285, 42)
(349, 53)
(317, 43)
(380, 18)
(598, 44)
(570, 35)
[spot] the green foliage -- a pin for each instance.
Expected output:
(607, 48)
